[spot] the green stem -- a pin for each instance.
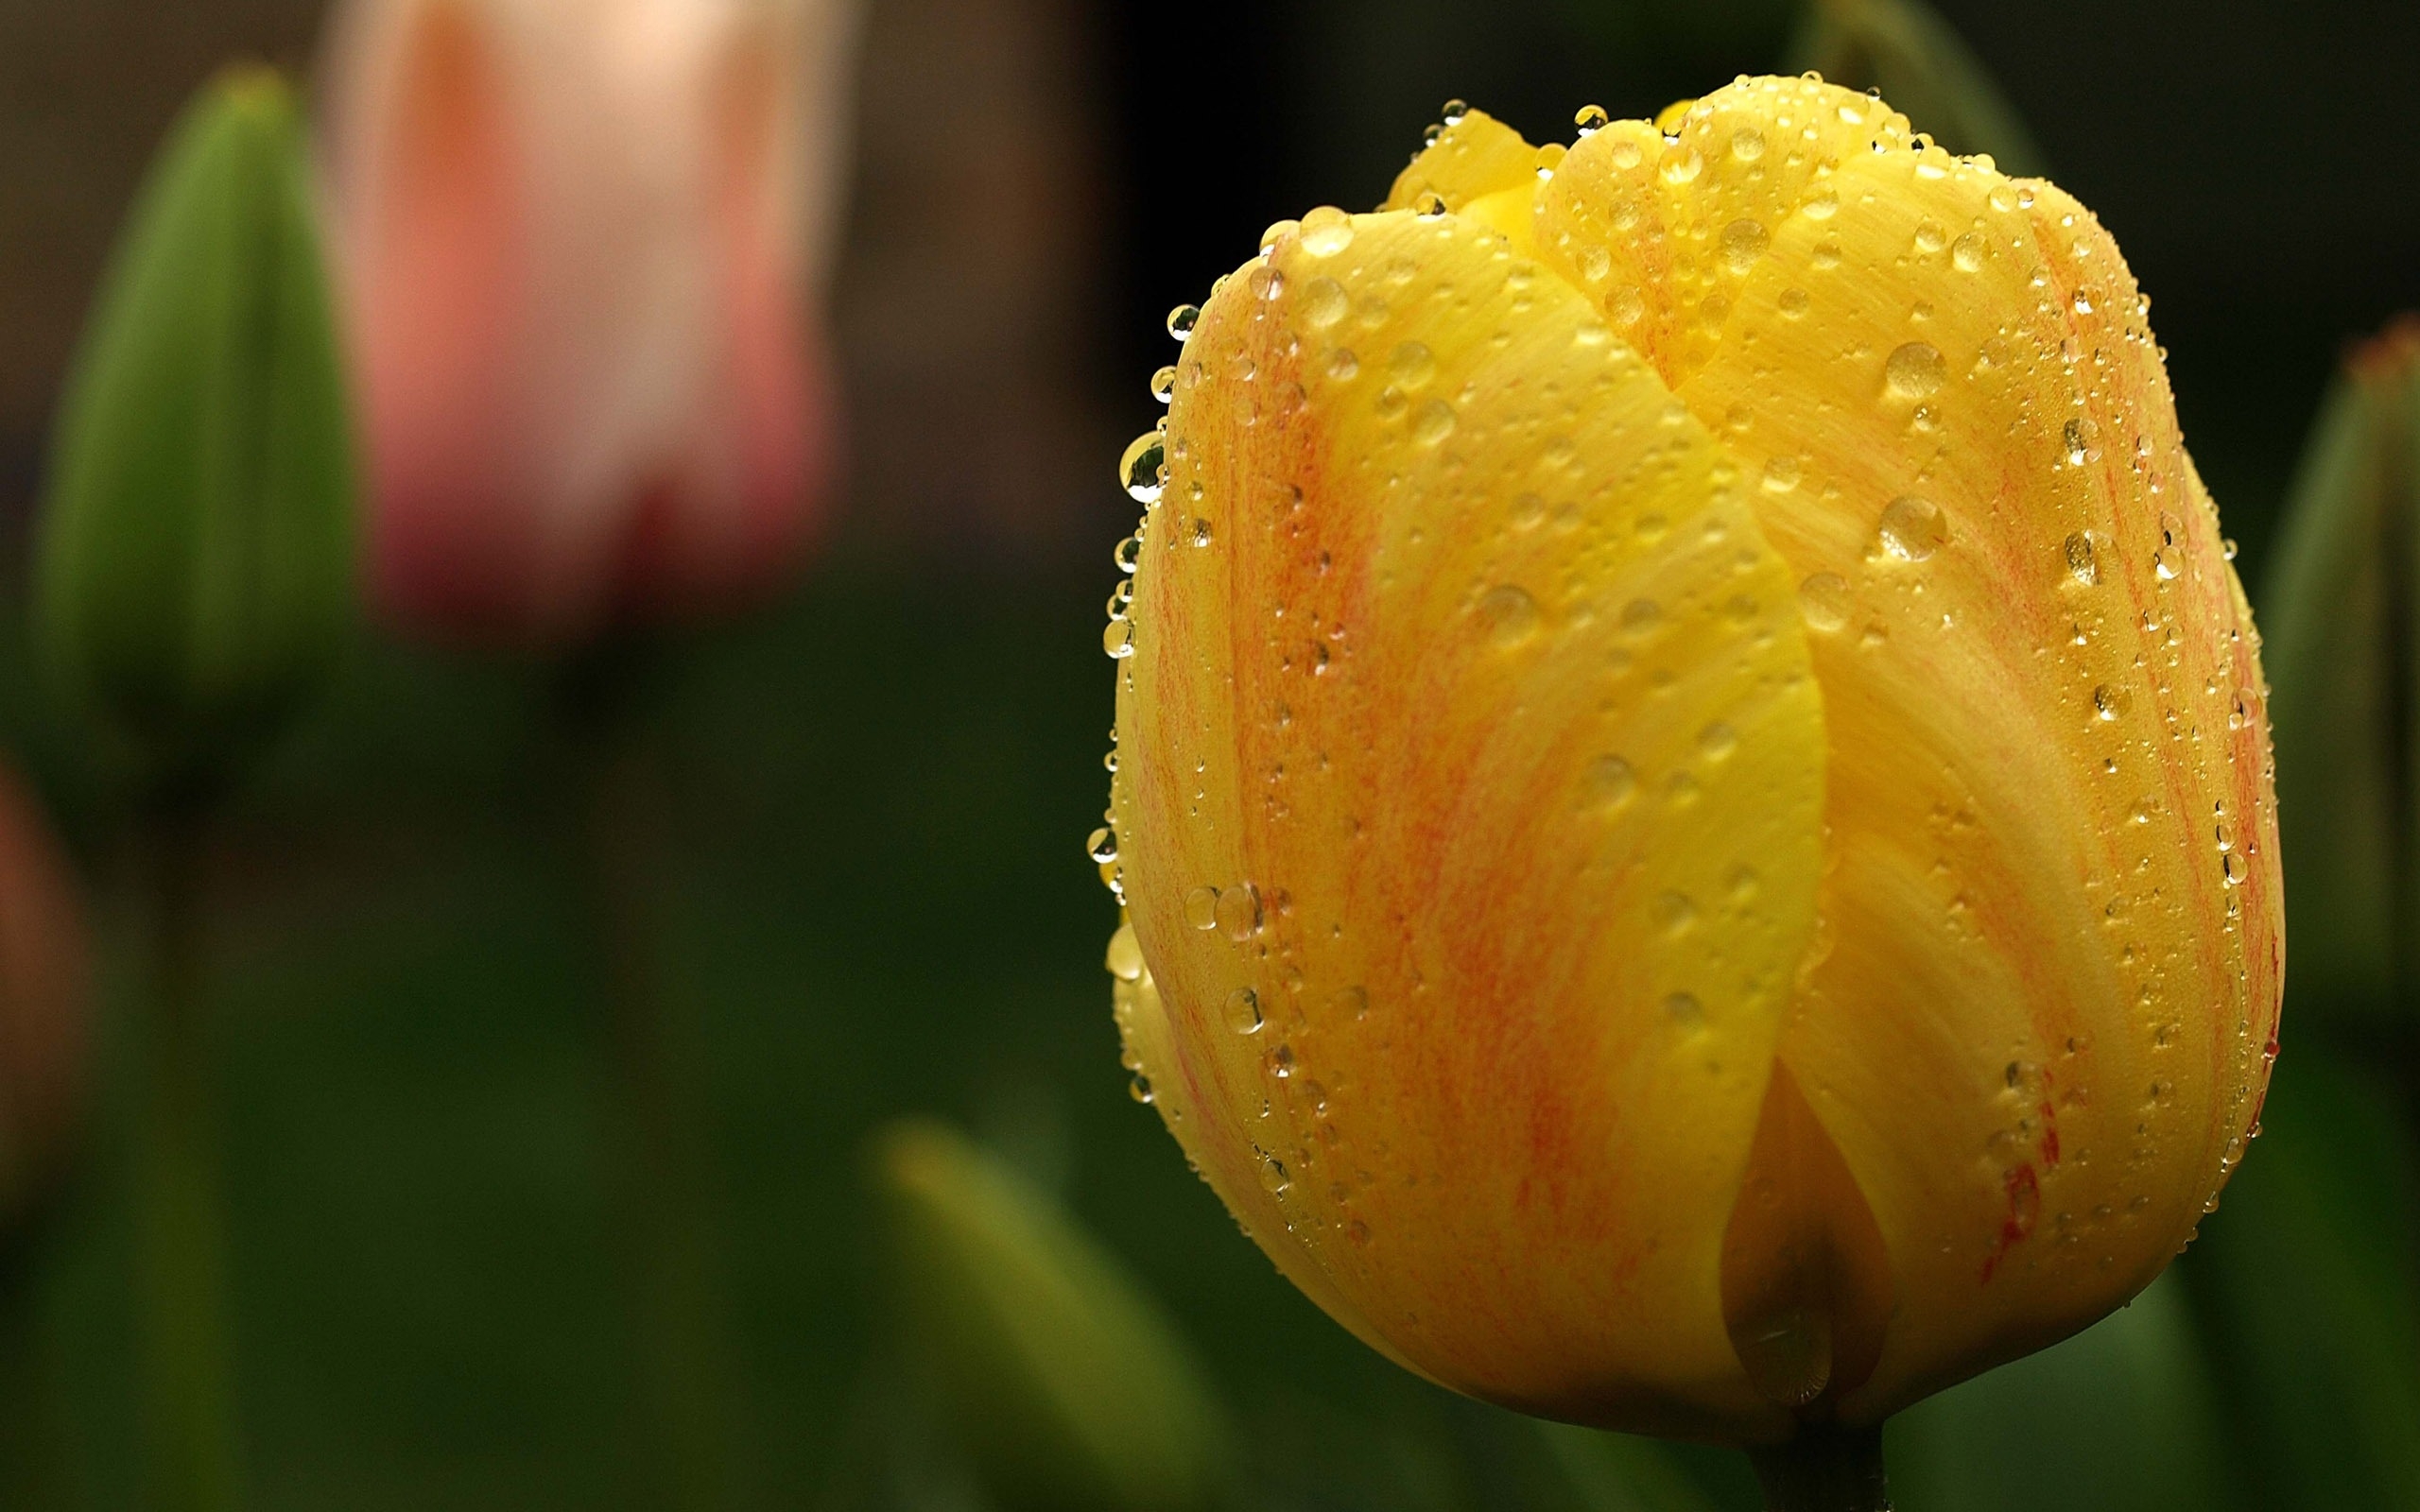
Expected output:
(1824, 1468)
(179, 1216)
(661, 1217)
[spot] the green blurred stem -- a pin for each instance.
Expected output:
(1824, 1468)
(662, 1217)
(180, 1212)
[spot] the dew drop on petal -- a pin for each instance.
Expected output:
(1915, 371)
(1912, 529)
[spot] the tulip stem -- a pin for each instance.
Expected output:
(1824, 1468)
(661, 1212)
(179, 1214)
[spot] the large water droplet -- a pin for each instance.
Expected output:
(1182, 320)
(1325, 302)
(1824, 600)
(1743, 242)
(1915, 371)
(1202, 908)
(1238, 912)
(1610, 783)
(1508, 615)
(2111, 700)
(2082, 562)
(1912, 529)
(1243, 1011)
(1143, 472)
(1125, 957)
(1119, 640)
(1326, 232)
(1102, 845)
(1432, 421)
(1412, 367)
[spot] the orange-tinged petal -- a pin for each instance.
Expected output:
(1468, 808)
(2052, 904)
(1661, 231)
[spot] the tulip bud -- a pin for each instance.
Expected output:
(1072, 1389)
(194, 570)
(1692, 792)
(581, 246)
(1904, 48)
(2345, 626)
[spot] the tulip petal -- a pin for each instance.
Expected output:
(1471, 773)
(2053, 943)
(1475, 155)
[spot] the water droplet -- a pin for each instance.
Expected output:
(1930, 238)
(1591, 119)
(1684, 1009)
(1102, 846)
(1326, 232)
(2079, 436)
(1274, 1178)
(2080, 560)
(1641, 615)
(1824, 599)
(1238, 912)
(1184, 317)
(1201, 532)
(1119, 640)
(1412, 367)
(1508, 615)
(1243, 1011)
(1782, 473)
(1966, 254)
(1792, 304)
(1323, 303)
(1716, 741)
(1279, 1063)
(2233, 869)
(1610, 782)
(1675, 912)
(1125, 957)
(1915, 371)
(1202, 908)
(1140, 1088)
(1743, 241)
(1455, 111)
(1343, 365)
(1912, 529)
(1681, 164)
(1144, 470)
(2111, 701)
(1432, 423)
(1163, 384)
(1747, 144)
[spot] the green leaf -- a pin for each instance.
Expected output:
(1923, 68)
(2341, 623)
(2119, 1419)
(1071, 1387)
(195, 571)
(2306, 1276)
(1616, 1472)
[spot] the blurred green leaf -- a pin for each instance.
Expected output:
(2119, 1419)
(1072, 1389)
(1616, 1472)
(1923, 68)
(193, 571)
(2342, 626)
(2307, 1278)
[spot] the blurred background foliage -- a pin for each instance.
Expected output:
(877, 897)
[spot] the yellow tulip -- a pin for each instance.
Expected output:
(1692, 787)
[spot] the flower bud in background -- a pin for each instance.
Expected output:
(45, 1003)
(1692, 788)
(1072, 1389)
(1904, 49)
(2343, 616)
(581, 242)
(194, 574)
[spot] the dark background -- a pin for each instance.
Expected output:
(877, 896)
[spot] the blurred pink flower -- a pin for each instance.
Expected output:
(581, 245)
